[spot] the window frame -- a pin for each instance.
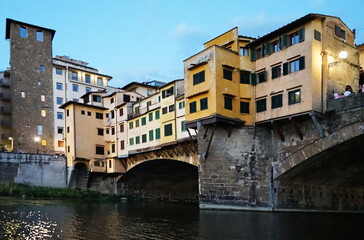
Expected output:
(261, 105)
(294, 98)
(198, 77)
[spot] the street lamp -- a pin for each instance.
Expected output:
(37, 139)
(11, 144)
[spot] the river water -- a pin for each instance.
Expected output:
(29, 219)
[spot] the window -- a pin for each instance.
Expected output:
(122, 145)
(340, 32)
(59, 86)
(151, 135)
(99, 115)
(244, 107)
(171, 108)
(112, 100)
(75, 87)
(276, 71)
(44, 142)
(23, 32)
(203, 103)
(183, 126)
(60, 144)
(121, 127)
(137, 109)
(43, 113)
(58, 71)
(294, 38)
(317, 35)
(293, 66)
(168, 130)
(99, 150)
(227, 74)
(83, 112)
(157, 114)
(276, 46)
(181, 105)
(193, 107)
(88, 113)
(137, 123)
(131, 141)
(68, 112)
(168, 92)
(96, 98)
(245, 77)
(87, 78)
(100, 131)
(59, 100)
(262, 76)
(228, 102)
(137, 140)
(99, 82)
(59, 130)
(39, 36)
(199, 77)
(42, 98)
(126, 98)
(112, 114)
(59, 115)
(164, 110)
(68, 149)
(74, 76)
(39, 130)
(157, 133)
(150, 116)
(261, 105)
(130, 125)
(68, 129)
(41, 68)
(75, 100)
(88, 89)
(112, 150)
(294, 96)
(121, 112)
(144, 121)
(244, 51)
(144, 138)
(22, 94)
(112, 131)
(277, 101)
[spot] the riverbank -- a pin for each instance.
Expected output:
(30, 192)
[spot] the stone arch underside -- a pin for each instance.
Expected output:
(333, 160)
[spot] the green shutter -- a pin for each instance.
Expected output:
(283, 41)
(157, 133)
(267, 48)
(252, 55)
(151, 135)
(253, 78)
(302, 62)
(301, 34)
(265, 75)
(285, 68)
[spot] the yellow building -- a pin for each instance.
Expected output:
(217, 82)
(298, 67)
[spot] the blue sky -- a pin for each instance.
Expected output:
(143, 40)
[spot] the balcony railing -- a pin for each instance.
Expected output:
(144, 110)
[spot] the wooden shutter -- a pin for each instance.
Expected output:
(301, 34)
(302, 62)
(283, 41)
(285, 68)
(253, 78)
(252, 55)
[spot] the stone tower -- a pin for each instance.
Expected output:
(31, 86)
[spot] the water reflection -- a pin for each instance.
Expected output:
(67, 220)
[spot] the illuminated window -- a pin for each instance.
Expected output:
(43, 113)
(42, 98)
(23, 94)
(44, 142)
(294, 96)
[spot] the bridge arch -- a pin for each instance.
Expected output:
(319, 150)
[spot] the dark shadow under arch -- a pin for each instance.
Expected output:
(161, 179)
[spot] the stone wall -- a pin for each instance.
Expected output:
(33, 169)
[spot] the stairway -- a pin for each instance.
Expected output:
(87, 179)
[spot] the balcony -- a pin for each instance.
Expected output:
(5, 110)
(5, 123)
(5, 96)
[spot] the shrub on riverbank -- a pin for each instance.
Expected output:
(25, 191)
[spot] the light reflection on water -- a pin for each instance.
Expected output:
(69, 220)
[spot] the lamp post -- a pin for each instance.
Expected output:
(36, 139)
(11, 144)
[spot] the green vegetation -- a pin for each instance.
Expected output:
(25, 191)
